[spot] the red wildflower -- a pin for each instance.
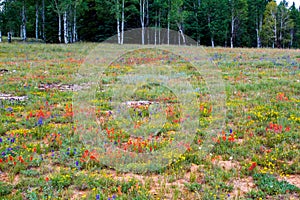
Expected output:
(231, 138)
(224, 137)
(287, 129)
(47, 179)
(40, 114)
(253, 165)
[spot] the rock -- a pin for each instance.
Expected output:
(10, 97)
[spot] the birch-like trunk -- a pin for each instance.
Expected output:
(0, 36)
(211, 34)
(59, 28)
(155, 29)
(232, 29)
(118, 30)
(181, 34)
(142, 18)
(9, 37)
(212, 42)
(260, 23)
(123, 21)
(23, 23)
(155, 34)
(118, 20)
(37, 21)
(159, 27)
(168, 32)
(258, 38)
(65, 28)
(147, 21)
(74, 26)
(280, 32)
(275, 32)
(43, 20)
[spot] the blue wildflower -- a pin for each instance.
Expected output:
(40, 122)
(98, 197)
(230, 130)
(0, 140)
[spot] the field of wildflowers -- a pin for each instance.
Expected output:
(255, 155)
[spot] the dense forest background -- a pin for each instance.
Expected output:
(229, 23)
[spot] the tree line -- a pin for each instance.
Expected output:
(229, 23)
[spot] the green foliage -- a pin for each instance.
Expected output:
(271, 186)
(204, 21)
(5, 189)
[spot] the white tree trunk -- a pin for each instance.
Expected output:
(280, 32)
(23, 23)
(0, 36)
(9, 37)
(118, 31)
(212, 43)
(182, 35)
(159, 28)
(155, 29)
(123, 21)
(142, 18)
(232, 30)
(275, 32)
(168, 37)
(65, 28)
(37, 21)
(147, 21)
(43, 20)
(118, 20)
(74, 26)
(59, 28)
(258, 38)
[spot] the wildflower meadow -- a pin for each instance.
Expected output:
(227, 127)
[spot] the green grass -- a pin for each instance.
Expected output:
(41, 156)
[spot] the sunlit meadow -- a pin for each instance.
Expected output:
(254, 155)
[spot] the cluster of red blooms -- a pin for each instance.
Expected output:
(68, 111)
(253, 165)
(229, 138)
(276, 128)
(140, 145)
(89, 155)
(115, 136)
(281, 97)
(14, 160)
(39, 114)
